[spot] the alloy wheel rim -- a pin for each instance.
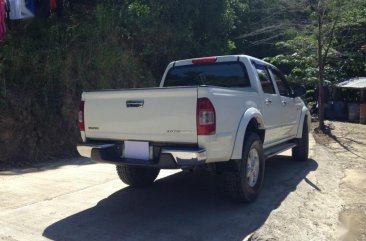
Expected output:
(252, 172)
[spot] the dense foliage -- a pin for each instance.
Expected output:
(45, 64)
(298, 53)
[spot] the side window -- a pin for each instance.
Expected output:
(264, 78)
(281, 83)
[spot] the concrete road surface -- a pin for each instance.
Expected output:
(80, 200)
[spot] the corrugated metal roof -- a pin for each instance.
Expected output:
(355, 83)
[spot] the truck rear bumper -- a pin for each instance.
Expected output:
(164, 157)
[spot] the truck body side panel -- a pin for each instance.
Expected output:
(230, 105)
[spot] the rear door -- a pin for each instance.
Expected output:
(271, 105)
(156, 114)
(290, 105)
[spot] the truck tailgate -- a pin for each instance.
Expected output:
(155, 114)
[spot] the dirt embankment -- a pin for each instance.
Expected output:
(29, 134)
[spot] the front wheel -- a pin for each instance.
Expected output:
(137, 176)
(245, 184)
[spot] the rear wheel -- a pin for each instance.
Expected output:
(301, 151)
(245, 184)
(137, 176)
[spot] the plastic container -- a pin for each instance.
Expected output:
(339, 110)
(327, 109)
(353, 112)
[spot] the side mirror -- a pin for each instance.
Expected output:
(299, 91)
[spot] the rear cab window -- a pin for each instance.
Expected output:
(222, 74)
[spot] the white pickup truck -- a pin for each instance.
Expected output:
(227, 113)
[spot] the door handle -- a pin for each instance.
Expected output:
(134, 103)
(284, 102)
(268, 101)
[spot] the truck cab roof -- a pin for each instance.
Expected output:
(218, 59)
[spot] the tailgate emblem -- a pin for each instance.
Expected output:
(135, 103)
(179, 131)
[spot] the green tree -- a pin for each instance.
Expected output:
(327, 14)
(325, 46)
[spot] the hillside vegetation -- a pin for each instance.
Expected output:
(45, 64)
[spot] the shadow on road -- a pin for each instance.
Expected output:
(183, 206)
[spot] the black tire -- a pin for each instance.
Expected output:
(301, 151)
(236, 183)
(137, 176)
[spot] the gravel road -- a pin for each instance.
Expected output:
(321, 199)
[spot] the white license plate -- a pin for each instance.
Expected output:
(137, 150)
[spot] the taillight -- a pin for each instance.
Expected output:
(206, 117)
(208, 60)
(81, 116)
